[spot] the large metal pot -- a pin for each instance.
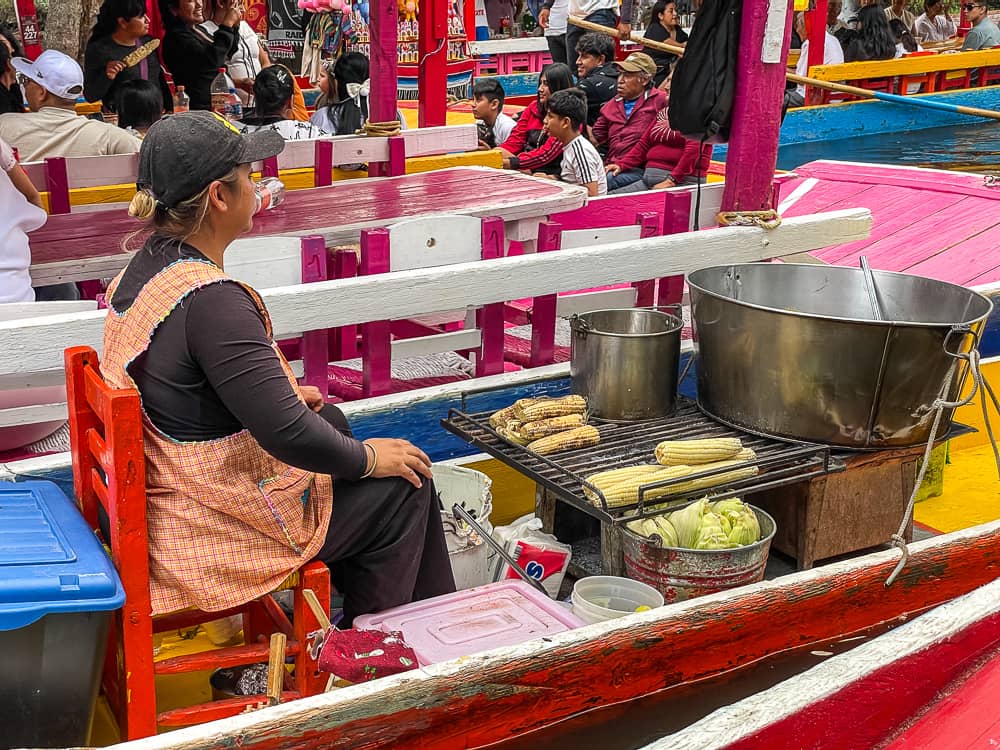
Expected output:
(794, 351)
(625, 362)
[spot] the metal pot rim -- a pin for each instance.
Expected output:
(763, 540)
(676, 323)
(816, 316)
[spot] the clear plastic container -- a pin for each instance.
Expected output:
(270, 192)
(182, 102)
(600, 598)
(475, 620)
(225, 102)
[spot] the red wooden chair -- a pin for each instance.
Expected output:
(407, 245)
(109, 472)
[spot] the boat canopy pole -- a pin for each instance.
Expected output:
(432, 68)
(816, 31)
(761, 63)
(383, 32)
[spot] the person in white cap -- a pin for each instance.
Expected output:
(51, 85)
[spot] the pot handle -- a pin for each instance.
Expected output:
(578, 325)
(963, 331)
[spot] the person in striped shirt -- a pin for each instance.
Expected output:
(581, 164)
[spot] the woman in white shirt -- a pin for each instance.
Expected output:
(20, 213)
(250, 57)
(934, 24)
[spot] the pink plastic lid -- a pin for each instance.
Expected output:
(468, 622)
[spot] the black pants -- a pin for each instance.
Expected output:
(557, 48)
(386, 545)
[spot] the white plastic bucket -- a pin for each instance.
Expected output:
(468, 553)
(600, 598)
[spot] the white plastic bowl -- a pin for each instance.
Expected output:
(600, 598)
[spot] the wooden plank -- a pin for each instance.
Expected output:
(606, 299)
(440, 139)
(964, 261)
(34, 414)
(442, 342)
(860, 698)
(905, 66)
(508, 46)
(265, 262)
(434, 241)
(921, 178)
(514, 690)
(31, 346)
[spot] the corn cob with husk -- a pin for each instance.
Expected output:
(501, 418)
(511, 432)
(550, 426)
(580, 437)
(141, 53)
(622, 488)
(694, 452)
(534, 409)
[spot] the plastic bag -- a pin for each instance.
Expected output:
(541, 555)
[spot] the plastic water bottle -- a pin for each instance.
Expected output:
(225, 102)
(270, 193)
(182, 102)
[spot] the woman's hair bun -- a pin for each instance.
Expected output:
(143, 205)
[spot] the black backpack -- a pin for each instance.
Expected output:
(701, 91)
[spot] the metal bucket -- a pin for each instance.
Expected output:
(681, 574)
(793, 351)
(625, 362)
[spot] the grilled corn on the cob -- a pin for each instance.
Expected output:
(550, 426)
(624, 489)
(502, 417)
(580, 437)
(534, 409)
(692, 452)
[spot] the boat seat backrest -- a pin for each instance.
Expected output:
(434, 241)
(265, 262)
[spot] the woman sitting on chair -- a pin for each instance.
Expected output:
(242, 464)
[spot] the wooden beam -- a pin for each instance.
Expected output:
(384, 67)
(765, 33)
(37, 344)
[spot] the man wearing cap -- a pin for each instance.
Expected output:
(51, 85)
(625, 119)
(601, 12)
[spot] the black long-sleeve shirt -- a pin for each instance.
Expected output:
(210, 371)
(97, 85)
(194, 59)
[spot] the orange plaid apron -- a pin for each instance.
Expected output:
(227, 521)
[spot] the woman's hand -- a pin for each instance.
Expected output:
(113, 68)
(245, 84)
(312, 397)
(399, 458)
(613, 169)
(667, 183)
(233, 15)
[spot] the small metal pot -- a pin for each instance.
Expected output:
(624, 362)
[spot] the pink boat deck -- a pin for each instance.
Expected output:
(942, 225)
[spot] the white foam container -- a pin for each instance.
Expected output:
(601, 598)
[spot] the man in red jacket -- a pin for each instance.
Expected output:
(625, 119)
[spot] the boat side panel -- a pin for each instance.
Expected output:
(491, 697)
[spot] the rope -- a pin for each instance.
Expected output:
(765, 219)
(385, 129)
(979, 384)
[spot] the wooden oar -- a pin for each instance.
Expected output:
(988, 114)
(895, 98)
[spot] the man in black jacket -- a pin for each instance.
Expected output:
(595, 67)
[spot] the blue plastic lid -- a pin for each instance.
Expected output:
(50, 559)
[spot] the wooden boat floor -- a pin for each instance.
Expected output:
(964, 718)
(943, 225)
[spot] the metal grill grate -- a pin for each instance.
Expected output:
(631, 444)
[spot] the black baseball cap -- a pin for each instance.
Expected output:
(182, 154)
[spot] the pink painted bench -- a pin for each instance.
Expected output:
(85, 246)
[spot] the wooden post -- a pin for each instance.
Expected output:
(384, 64)
(432, 71)
(816, 30)
(765, 33)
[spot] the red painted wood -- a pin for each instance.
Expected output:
(346, 337)
(397, 157)
(965, 719)
(505, 695)
(649, 226)
(676, 218)
(543, 309)
(432, 71)
(384, 68)
(270, 167)
(230, 657)
(323, 164)
(376, 342)
(57, 185)
(27, 22)
(346, 204)
(489, 318)
(816, 31)
(222, 709)
(753, 145)
(870, 710)
(315, 346)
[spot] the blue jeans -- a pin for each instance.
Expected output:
(622, 179)
(605, 17)
(653, 176)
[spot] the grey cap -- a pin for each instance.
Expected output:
(182, 154)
